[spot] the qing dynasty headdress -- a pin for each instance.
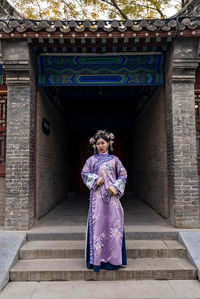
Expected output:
(102, 134)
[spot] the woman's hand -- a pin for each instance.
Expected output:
(112, 191)
(100, 181)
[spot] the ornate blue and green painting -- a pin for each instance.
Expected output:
(100, 70)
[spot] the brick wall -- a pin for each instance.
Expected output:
(19, 170)
(51, 169)
(19, 197)
(150, 154)
(2, 200)
(182, 155)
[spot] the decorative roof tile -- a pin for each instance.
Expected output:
(187, 19)
(7, 11)
(181, 23)
(192, 9)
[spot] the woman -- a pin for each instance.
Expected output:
(105, 176)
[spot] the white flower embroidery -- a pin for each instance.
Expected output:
(117, 231)
(95, 218)
(116, 202)
(98, 243)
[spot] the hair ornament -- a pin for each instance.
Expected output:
(92, 140)
(95, 149)
(108, 135)
(111, 145)
(111, 136)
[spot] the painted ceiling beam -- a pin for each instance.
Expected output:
(61, 40)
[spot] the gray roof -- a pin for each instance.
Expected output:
(7, 11)
(180, 24)
(192, 9)
(187, 18)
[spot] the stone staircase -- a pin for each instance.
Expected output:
(63, 260)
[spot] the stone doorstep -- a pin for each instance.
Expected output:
(75, 249)
(130, 289)
(75, 269)
(80, 235)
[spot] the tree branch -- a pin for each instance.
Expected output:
(189, 7)
(72, 13)
(108, 2)
(40, 13)
(83, 12)
(157, 8)
(115, 5)
(119, 10)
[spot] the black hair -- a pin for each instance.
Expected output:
(103, 136)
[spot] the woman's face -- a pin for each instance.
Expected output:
(102, 145)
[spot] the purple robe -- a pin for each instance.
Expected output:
(105, 241)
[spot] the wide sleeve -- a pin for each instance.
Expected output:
(89, 178)
(120, 183)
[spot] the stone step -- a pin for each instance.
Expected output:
(79, 234)
(134, 289)
(75, 249)
(75, 269)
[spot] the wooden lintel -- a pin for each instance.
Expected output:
(61, 40)
(137, 40)
(169, 39)
(72, 40)
(64, 49)
(102, 34)
(144, 49)
(126, 40)
(147, 39)
(158, 39)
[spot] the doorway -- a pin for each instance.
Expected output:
(135, 114)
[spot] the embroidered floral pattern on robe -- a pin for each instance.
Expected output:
(98, 243)
(117, 231)
(106, 215)
(116, 202)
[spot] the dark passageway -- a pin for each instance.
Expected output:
(134, 114)
(87, 109)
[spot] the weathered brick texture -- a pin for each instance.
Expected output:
(182, 154)
(19, 165)
(2, 180)
(2, 201)
(20, 136)
(51, 169)
(150, 154)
